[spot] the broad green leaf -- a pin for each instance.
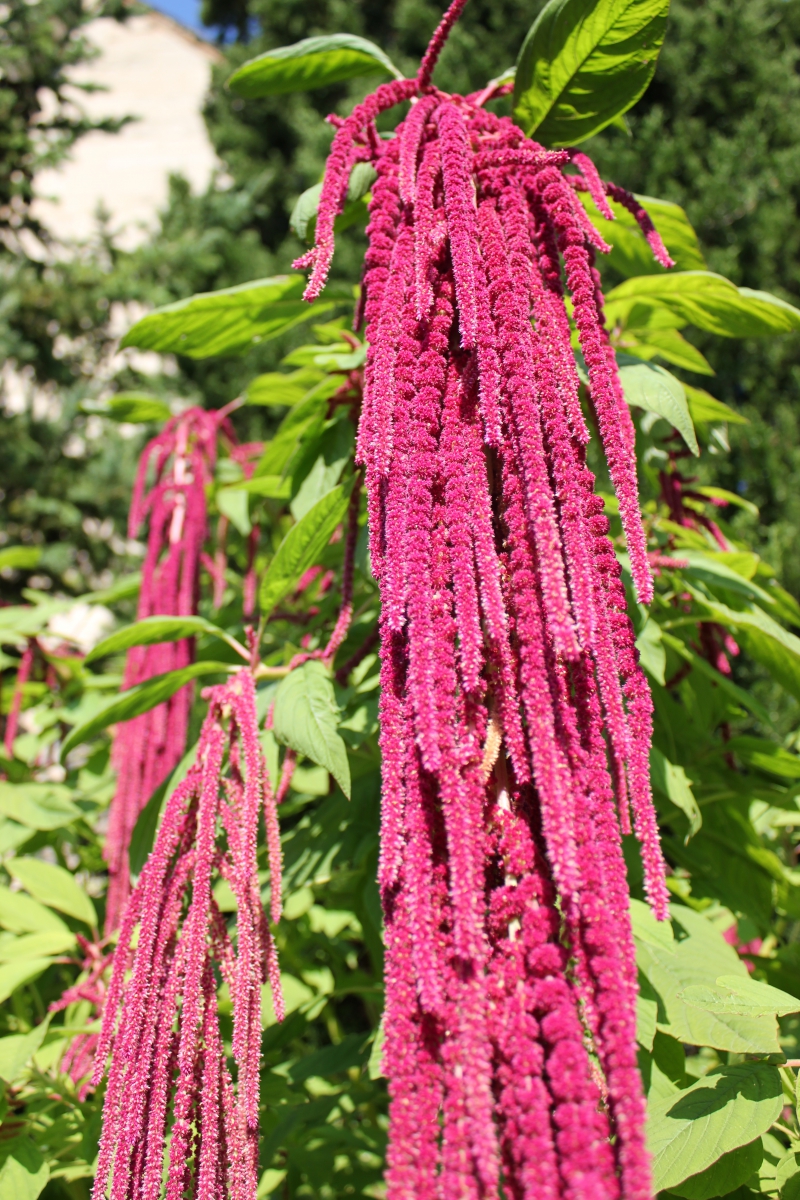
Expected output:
(375, 1061)
(38, 805)
(303, 219)
(723, 1176)
(700, 958)
(230, 321)
(54, 886)
(766, 756)
(651, 387)
(768, 642)
(20, 558)
(673, 783)
(306, 718)
(131, 408)
(24, 1172)
(140, 699)
(17, 1050)
(336, 445)
(583, 64)
(305, 419)
(144, 831)
(234, 505)
(726, 1109)
(313, 63)
(37, 945)
(631, 254)
(714, 570)
(708, 301)
(647, 929)
(652, 654)
(276, 388)
(17, 974)
(302, 546)
(747, 997)
(704, 407)
(742, 696)
(152, 630)
(668, 344)
(274, 487)
(20, 914)
(350, 1052)
(646, 1013)
(787, 1175)
(718, 493)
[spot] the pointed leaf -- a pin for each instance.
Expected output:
(17, 1050)
(140, 699)
(38, 805)
(301, 547)
(54, 886)
(153, 630)
(583, 64)
(17, 974)
(725, 1175)
(230, 321)
(747, 997)
(24, 1172)
(631, 255)
(708, 301)
(705, 407)
(651, 387)
(306, 718)
(727, 1108)
(314, 62)
(20, 914)
(673, 783)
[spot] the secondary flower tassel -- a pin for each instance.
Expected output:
(160, 1017)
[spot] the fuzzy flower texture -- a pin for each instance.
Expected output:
(169, 1084)
(515, 719)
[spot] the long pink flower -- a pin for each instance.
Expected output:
(515, 721)
(160, 1018)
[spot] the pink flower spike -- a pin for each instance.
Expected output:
(644, 221)
(595, 184)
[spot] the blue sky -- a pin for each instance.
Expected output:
(185, 11)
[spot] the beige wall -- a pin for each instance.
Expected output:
(155, 70)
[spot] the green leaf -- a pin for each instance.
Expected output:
(768, 642)
(131, 408)
(723, 1176)
(350, 1052)
(230, 321)
(742, 696)
(20, 914)
(315, 62)
(20, 558)
(631, 254)
(646, 1013)
(670, 345)
(336, 444)
(303, 220)
(746, 997)
(276, 388)
(306, 718)
(583, 64)
(651, 387)
(16, 1051)
(140, 699)
(726, 1109)
(53, 886)
(708, 301)
(153, 630)
(38, 805)
(302, 546)
(274, 487)
(233, 503)
(17, 974)
(652, 654)
(375, 1061)
(24, 1172)
(673, 783)
(37, 945)
(700, 957)
(787, 1175)
(766, 756)
(704, 408)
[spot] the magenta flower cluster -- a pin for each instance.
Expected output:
(515, 719)
(181, 460)
(161, 1021)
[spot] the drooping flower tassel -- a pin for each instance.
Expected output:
(515, 720)
(147, 748)
(160, 1017)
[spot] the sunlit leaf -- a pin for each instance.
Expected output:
(54, 886)
(306, 718)
(314, 62)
